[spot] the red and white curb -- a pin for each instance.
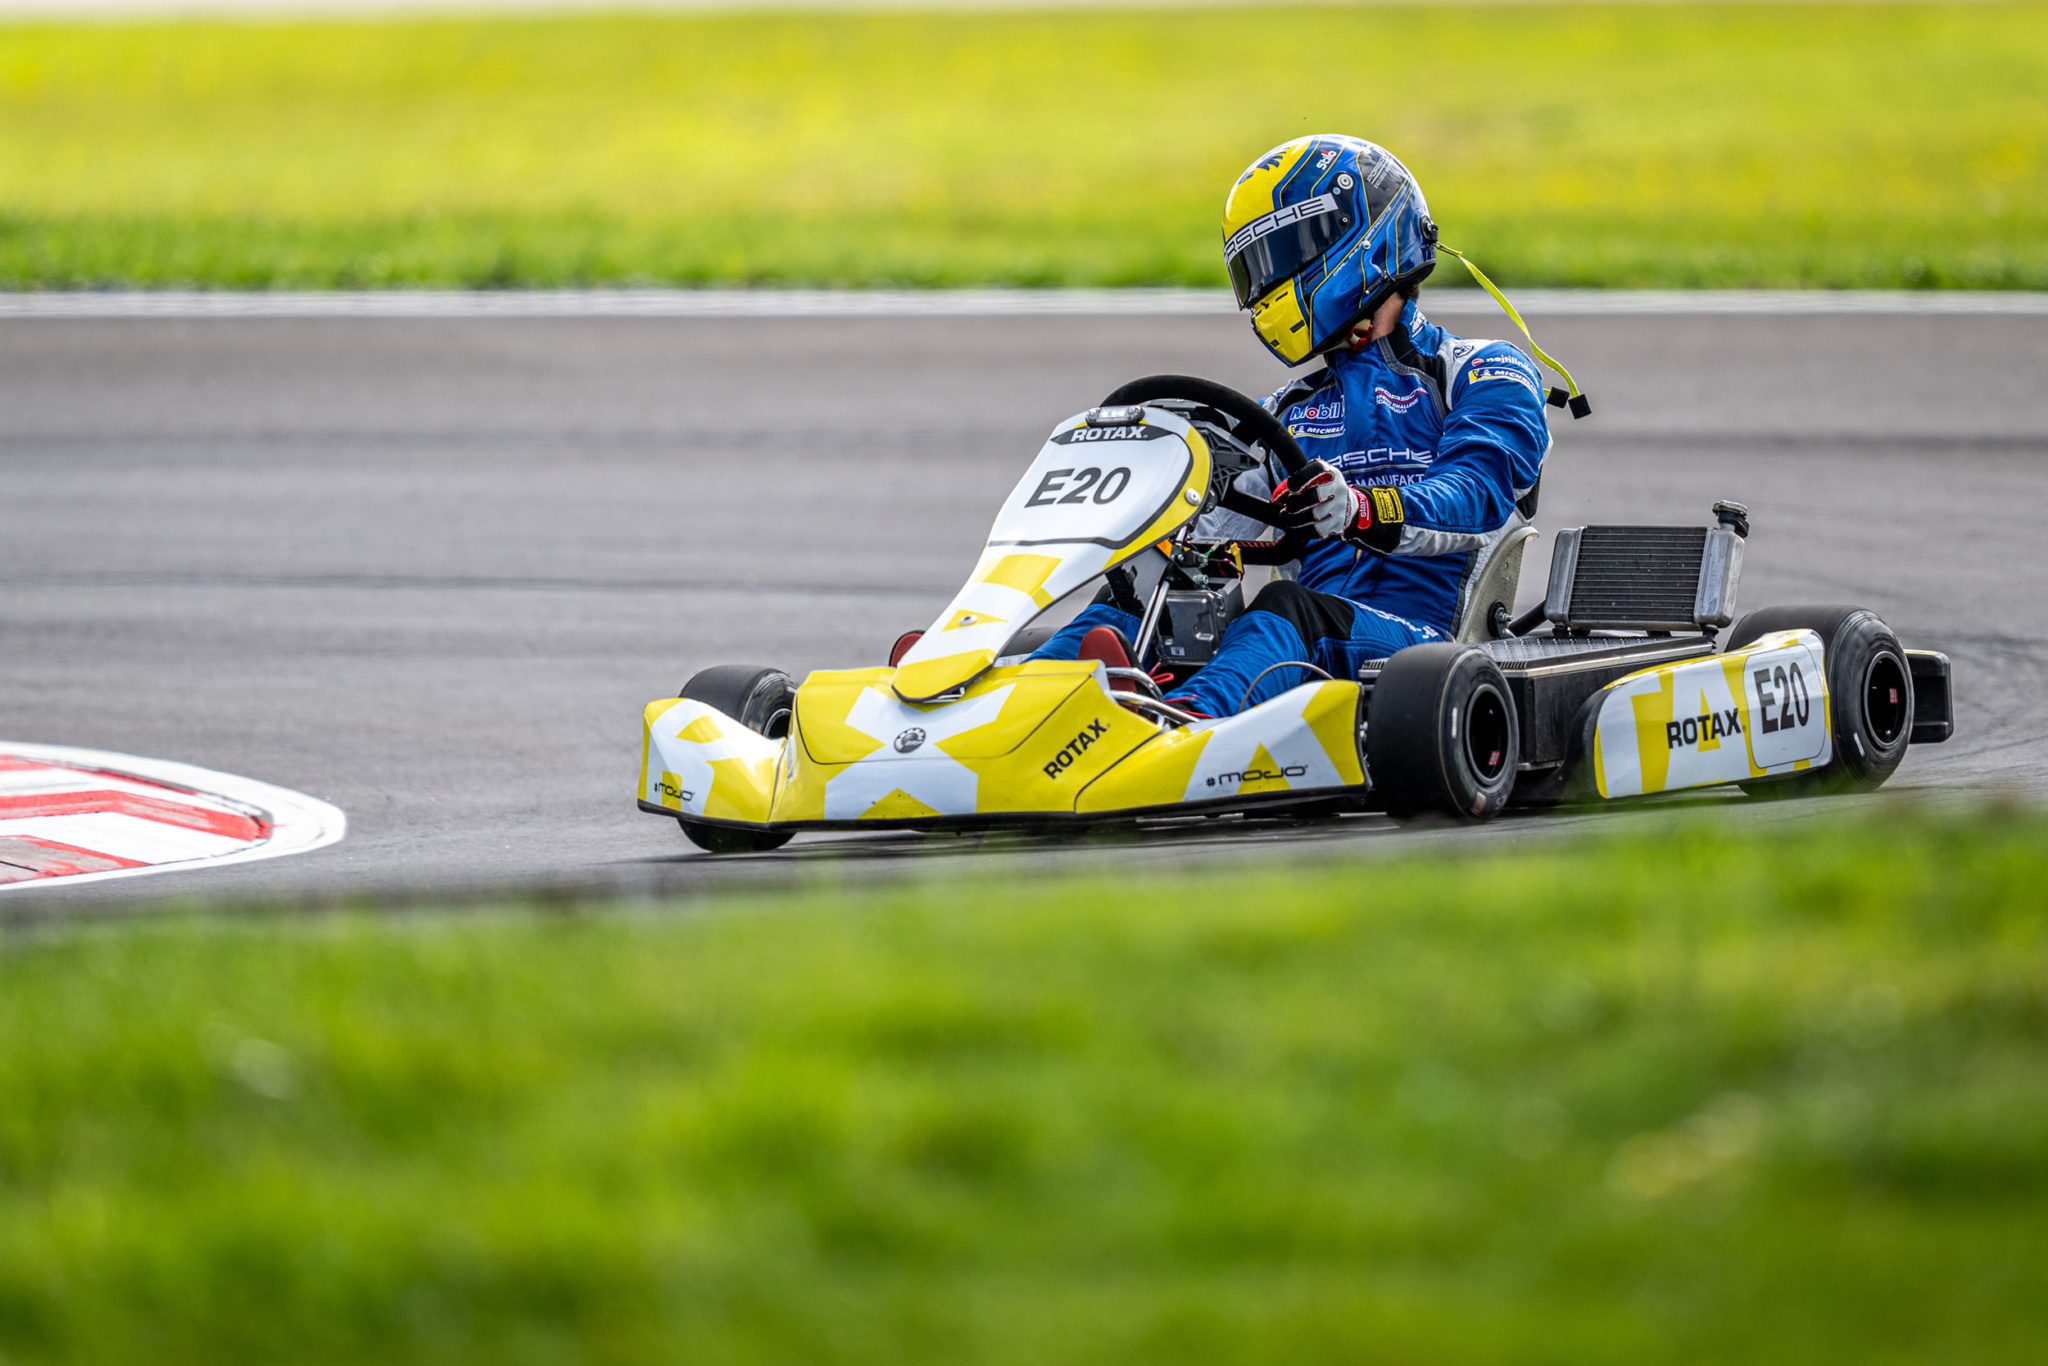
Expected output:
(82, 815)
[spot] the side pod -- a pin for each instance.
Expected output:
(1756, 713)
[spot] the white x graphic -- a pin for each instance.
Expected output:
(926, 773)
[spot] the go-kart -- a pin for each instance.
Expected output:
(1619, 686)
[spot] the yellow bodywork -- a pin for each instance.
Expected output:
(698, 761)
(1751, 713)
(1019, 580)
(1045, 737)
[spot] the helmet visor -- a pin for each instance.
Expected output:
(1277, 247)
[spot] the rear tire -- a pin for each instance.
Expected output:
(1441, 733)
(1870, 697)
(763, 700)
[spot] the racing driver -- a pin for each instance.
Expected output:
(1424, 447)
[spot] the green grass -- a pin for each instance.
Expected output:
(1687, 1094)
(1880, 145)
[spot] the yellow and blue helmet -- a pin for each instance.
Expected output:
(1317, 233)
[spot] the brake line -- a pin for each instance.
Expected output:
(1283, 664)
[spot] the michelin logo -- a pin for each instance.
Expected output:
(1497, 370)
(1504, 363)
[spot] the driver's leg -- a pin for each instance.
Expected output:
(1065, 643)
(1288, 622)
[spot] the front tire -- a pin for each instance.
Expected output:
(1870, 697)
(1441, 733)
(762, 700)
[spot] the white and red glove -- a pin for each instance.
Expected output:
(1317, 499)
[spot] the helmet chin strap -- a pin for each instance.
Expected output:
(1558, 398)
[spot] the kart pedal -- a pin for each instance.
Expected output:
(902, 646)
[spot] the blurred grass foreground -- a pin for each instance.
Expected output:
(1696, 145)
(1756, 1094)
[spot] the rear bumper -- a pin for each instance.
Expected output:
(1934, 713)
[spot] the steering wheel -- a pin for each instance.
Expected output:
(1254, 425)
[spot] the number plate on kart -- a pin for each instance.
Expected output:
(1785, 695)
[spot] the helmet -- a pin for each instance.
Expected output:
(1317, 233)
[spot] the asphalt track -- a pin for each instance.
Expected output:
(429, 570)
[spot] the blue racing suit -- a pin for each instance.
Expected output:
(1456, 428)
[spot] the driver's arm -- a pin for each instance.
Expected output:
(1492, 445)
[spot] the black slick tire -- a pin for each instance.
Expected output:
(1870, 697)
(1441, 734)
(761, 699)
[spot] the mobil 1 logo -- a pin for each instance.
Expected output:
(1786, 695)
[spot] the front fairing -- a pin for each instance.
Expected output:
(1041, 738)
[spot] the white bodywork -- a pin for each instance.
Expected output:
(1727, 718)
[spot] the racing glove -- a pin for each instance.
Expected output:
(1317, 499)
(1378, 520)
(1321, 500)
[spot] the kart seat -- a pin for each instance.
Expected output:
(1492, 580)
